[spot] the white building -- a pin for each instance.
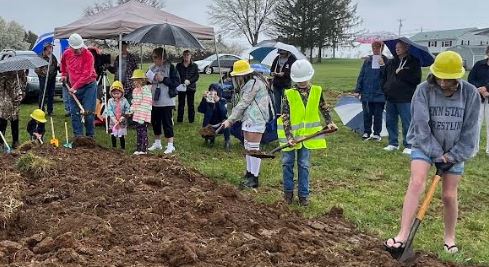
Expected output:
(439, 41)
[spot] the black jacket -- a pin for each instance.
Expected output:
(400, 87)
(479, 75)
(284, 81)
(190, 73)
(35, 127)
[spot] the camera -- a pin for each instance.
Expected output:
(104, 59)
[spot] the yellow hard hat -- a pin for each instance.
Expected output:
(138, 74)
(448, 65)
(241, 67)
(39, 115)
(117, 85)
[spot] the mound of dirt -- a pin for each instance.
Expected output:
(103, 208)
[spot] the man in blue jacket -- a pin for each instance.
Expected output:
(371, 93)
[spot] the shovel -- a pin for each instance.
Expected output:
(270, 155)
(407, 254)
(54, 141)
(8, 150)
(83, 113)
(210, 130)
(67, 143)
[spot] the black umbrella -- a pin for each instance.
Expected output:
(165, 34)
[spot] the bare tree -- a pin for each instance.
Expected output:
(242, 17)
(105, 4)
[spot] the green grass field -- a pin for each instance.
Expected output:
(360, 177)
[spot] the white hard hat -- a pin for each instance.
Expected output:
(76, 41)
(301, 71)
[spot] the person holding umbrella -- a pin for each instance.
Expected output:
(443, 130)
(12, 85)
(164, 80)
(372, 95)
(47, 89)
(189, 75)
(77, 66)
(399, 80)
(280, 72)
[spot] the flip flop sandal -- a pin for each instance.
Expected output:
(450, 249)
(392, 248)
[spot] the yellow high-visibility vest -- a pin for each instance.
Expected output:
(304, 120)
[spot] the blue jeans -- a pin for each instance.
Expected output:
(457, 169)
(87, 95)
(392, 113)
(48, 95)
(66, 100)
(303, 164)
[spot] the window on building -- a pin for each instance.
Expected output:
(450, 43)
(436, 43)
(468, 42)
(462, 42)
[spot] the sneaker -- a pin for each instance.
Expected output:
(169, 150)
(139, 153)
(406, 151)
(365, 136)
(391, 148)
(155, 146)
(375, 137)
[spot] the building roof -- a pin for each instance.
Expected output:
(474, 49)
(441, 35)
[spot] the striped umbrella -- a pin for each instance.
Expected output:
(21, 63)
(349, 109)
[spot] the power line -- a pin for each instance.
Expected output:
(400, 26)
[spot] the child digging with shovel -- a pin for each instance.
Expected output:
(36, 127)
(300, 117)
(117, 109)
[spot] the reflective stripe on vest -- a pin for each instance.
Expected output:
(304, 120)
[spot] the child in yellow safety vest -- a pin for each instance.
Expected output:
(300, 117)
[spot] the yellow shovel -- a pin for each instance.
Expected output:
(54, 141)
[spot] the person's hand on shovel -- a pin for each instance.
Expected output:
(226, 124)
(331, 127)
(291, 142)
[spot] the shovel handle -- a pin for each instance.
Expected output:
(428, 198)
(300, 140)
(82, 110)
(52, 127)
(4, 141)
(66, 131)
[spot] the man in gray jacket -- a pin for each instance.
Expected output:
(443, 130)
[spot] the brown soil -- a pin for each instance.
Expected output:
(105, 208)
(207, 131)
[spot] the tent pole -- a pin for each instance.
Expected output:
(120, 57)
(218, 61)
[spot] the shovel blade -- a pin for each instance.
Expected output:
(260, 154)
(407, 255)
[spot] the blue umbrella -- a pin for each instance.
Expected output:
(349, 109)
(261, 68)
(263, 49)
(421, 52)
(48, 38)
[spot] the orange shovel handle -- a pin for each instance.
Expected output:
(428, 198)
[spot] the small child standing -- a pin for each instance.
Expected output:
(36, 126)
(117, 109)
(142, 102)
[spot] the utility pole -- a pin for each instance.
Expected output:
(400, 26)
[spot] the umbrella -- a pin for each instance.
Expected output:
(420, 52)
(261, 68)
(60, 45)
(21, 63)
(349, 109)
(165, 34)
(266, 51)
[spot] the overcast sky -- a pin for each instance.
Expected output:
(42, 16)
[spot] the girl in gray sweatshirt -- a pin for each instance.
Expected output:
(443, 129)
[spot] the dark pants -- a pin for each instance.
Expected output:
(49, 94)
(278, 93)
(142, 137)
(162, 117)
(375, 110)
(181, 105)
(14, 126)
(393, 112)
(114, 141)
